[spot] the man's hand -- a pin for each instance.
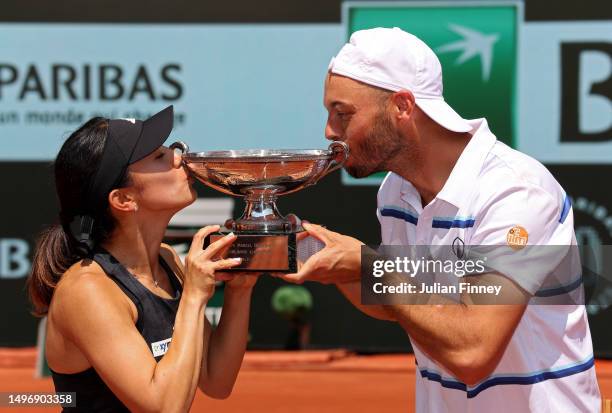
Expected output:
(240, 280)
(338, 262)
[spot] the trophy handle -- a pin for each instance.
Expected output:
(337, 147)
(180, 145)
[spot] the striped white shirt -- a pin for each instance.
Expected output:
(548, 364)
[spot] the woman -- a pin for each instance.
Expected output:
(126, 326)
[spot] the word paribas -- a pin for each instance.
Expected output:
(103, 81)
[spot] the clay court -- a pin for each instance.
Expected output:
(297, 382)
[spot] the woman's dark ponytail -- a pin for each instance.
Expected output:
(57, 248)
(52, 257)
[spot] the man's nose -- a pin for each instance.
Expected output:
(330, 133)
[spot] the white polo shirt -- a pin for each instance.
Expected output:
(495, 196)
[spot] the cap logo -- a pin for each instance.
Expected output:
(131, 120)
(517, 237)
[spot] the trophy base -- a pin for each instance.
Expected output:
(270, 252)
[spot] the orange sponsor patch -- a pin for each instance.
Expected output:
(517, 237)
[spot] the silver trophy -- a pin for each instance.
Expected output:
(266, 240)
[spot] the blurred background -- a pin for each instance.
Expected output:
(245, 74)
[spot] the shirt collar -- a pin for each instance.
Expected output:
(464, 172)
(469, 164)
(409, 194)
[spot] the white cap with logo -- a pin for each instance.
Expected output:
(395, 60)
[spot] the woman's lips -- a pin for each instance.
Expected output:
(189, 175)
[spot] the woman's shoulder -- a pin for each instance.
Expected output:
(83, 284)
(171, 257)
(85, 300)
(82, 272)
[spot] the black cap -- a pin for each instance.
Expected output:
(128, 141)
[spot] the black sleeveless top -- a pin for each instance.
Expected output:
(155, 323)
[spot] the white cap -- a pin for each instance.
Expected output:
(393, 59)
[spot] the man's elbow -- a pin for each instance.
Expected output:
(379, 312)
(217, 392)
(474, 366)
(380, 316)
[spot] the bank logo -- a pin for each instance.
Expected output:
(566, 92)
(14, 261)
(473, 43)
(586, 95)
(477, 47)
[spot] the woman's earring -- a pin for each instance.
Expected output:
(135, 208)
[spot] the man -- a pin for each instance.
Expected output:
(449, 179)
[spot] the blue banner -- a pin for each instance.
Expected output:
(233, 86)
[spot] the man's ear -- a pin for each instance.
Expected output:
(403, 102)
(122, 200)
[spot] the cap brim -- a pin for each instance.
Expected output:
(155, 131)
(441, 113)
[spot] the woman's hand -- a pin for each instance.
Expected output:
(201, 264)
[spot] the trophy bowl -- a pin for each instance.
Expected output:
(266, 239)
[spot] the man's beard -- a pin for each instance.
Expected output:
(377, 147)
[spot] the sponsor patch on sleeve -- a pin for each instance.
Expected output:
(517, 237)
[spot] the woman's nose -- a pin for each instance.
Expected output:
(179, 149)
(178, 158)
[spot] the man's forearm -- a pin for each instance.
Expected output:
(459, 337)
(352, 291)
